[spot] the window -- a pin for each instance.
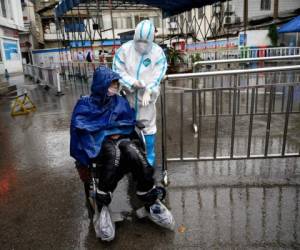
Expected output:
(6, 9)
(156, 21)
(181, 19)
(189, 16)
(200, 12)
(228, 20)
(3, 8)
(138, 19)
(265, 5)
(173, 19)
(9, 10)
(115, 23)
(143, 18)
(121, 23)
(101, 22)
(129, 22)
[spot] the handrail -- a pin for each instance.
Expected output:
(41, 74)
(232, 72)
(38, 66)
(241, 60)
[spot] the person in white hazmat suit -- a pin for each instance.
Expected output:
(142, 64)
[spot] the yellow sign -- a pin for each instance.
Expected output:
(22, 105)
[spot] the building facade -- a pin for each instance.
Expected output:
(84, 34)
(222, 22)
(31, 37)
(123, 21)
(263, 8)
(11, 23)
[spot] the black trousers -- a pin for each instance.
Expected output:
(119, 157)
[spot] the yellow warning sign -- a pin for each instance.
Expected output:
(22, 105)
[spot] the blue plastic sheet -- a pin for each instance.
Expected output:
(98, 116)
(69, 4)
(74, 27)
(291, 26)
(169, 7)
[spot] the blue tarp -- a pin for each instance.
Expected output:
(74, 27)
(173, 7)
(291, 26)
(169, 7)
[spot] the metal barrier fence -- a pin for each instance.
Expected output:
(79, 70)
(245, 63)
(84, 70)
(245, 52)
(246, 60)
(233, 116)
(46, 76)
(268, 52)
(249, 79)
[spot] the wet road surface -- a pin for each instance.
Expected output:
(245, 204)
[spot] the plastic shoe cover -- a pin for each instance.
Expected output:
(104, 226)
(161, 216)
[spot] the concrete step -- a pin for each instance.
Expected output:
(3, 84)
(7, 89)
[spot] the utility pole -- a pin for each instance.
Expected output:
(245, 20)
(245, 14)
(276, 8)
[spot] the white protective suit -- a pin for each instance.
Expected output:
(144, 62)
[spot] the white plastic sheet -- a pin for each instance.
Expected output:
(103, 224)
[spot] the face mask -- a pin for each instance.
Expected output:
(112, 91)
(142, 47)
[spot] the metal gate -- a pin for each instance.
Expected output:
(239, 114)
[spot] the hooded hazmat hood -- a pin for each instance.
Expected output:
(144, 36)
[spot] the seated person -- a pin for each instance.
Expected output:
(101, 129)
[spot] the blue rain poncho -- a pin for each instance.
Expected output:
(97, 116)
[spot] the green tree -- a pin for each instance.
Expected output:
(174, 56)
(273, 35)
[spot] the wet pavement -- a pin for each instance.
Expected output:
(242, 204)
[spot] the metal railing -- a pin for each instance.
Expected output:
(46, 76)
(246, 52)
(79, 70)
(250, 79)
(233, 115)
(268, 52)
(244, 63)
(247, 60)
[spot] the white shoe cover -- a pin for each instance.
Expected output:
(103, 224)
(161, 216)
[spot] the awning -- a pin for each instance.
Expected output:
(169, 7)
(291, 26)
